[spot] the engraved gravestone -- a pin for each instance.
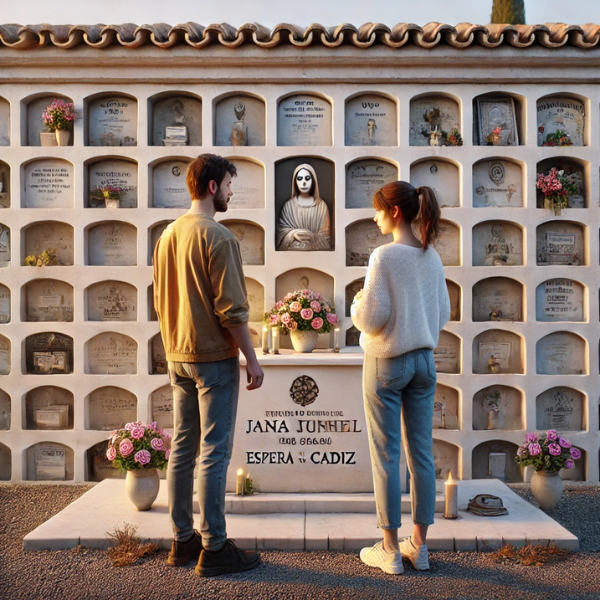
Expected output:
(112, 301)
(455, 295)
(497, 183)
(448, 243)
(4, 122)
(560, 114)
(560, 408)
(251, 239)
(494, 459)
(364, 177)
(240, 121)
(35, 124)
(184, 114)
(256, 299)
(445, 459)
(113, 244)
(441, 176)
(49, 407)
(304, 120)
(445, 407)
(497, 299)
(49, 353)
(4, 355)
(433, 114)
(559, 300)
(4, 246)
(371, 120)
(4, 304)
(497, 243)
(99, 467)
(497, 352)
(561, 353)
(162, 407)
(362, 237)
(560, 243)
(46, 235)
(497, 407)
(446, 355)
(249, 186)
(4, 185)
(112, 353)
(351, 290)
(497, 121)
(168, 184)
(158, 355)
(48, 300)
(112, 121)
(111, 407)
(5, 410)
(49, 184)
(118, 173)
(50, 462)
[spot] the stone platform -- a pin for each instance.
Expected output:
(303, 521)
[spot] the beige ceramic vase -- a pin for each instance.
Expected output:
(304, 341)
(547, 487)
(141, 486)
(62, 136)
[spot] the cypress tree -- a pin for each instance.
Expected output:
(511, 12)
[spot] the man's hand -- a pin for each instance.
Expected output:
(304, 236)
(254, 375)
(254, 371)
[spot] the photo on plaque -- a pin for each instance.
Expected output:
(497, 121)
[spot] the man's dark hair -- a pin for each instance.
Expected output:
(203, 170)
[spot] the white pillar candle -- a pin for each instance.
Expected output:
(265, 340)
(451, 498)
(336, 339)
(275, 334)
(239, 484)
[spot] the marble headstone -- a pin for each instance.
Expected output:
(251, 238)
(455, 294)
(4, 304)
(364, 177)
(49, 353)
(503, 466)
(45, 235)
(168, 184)
(113, 243)
(561, 353)
(497, 407)
(50, 461)
(177, 111)
(249, 186)
(560, 408)
(40, 399)
(110, 407)
(562, 113)
(49, 300)
(559, 300)
(362, 237)
(497, 352)
(304, 120)
(371, 120)
(162, 406)
(112, 301)
(5, 411)
(498, 299)
(448, 243)
(4, 355)
(112, 353)
(4, 122)
(4, 185)
(560, 243)
(494, 112)
(251, 121)
(49, 184)
(112, 121)
(447, 355)
(428, 113)
(441, 176)
(445, 408)
(497, 182)
(497, 243)
(118, 173)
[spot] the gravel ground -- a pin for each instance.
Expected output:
(88, 574)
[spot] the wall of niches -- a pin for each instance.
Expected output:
(80, 352)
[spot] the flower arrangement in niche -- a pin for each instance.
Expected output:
(547, 452)
(454, 138)
(558, 138)
(59, 115)
(138, 446)
(493, 139)
(556, 187)
(111, 195)
(47, 258)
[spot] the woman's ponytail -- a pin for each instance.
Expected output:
(429, 215)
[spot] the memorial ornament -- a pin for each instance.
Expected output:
(59, 118)
(556, 187)
(110, 194)
(497, 121)
(304, 390)
(239, 131)
(177, 133)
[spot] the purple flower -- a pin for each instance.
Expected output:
(137, 433)
(552, 435)
(521, 451)
(157, 444)
(535, 449)
(153, 425)
(531, 438)
(554, 449)
(143, 457)
(564, 442)
(575, 453)
(569, 463)
(126, 447)
(130, 426)
(111, 453)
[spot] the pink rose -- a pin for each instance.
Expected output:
(575, 453)
(143, 457)
(332, 318)
(306, 313)
(317, 323)
(274, 319)
(130, 426)
(137, 433)
(288, 297)
(316, 306)
(564, 442)
(569, 463)
(167, 453)
(279, 304)
(535, 449)
(295, 307)
(292, 326)
(554, 449)
(285, 318)
(552, 435)
(126, 447)
(111, 453)
(157, 444)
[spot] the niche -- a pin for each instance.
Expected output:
(99, 467)
(441, 176)
(561, 353)
(44, 236)
(498, 352)
(112, 120)
(455, 294)
(109, 408)
(5, 411)
(116, 172)
(352, 336)
(364, 177)
(112, 244)
(362, 237)
(577, 172)
(577, 473)
(158, 356)
(447, 355)
(111, 353)
(169, 189)
(4, 184)
(434, 121)
(560, 408)
(4, 246)
(152, 316)
(48, 300)
(445, 408)
(371, 120)
(498, 120)
(498, 299)
(161, 407)
(34, 125)
(351, 290)
(49, 353)
(4, 355)
(251, 238)
(304, 120)
(240, 121)
(49, 461)
(248, 188)
(497, 182)
(448, 243)
(156, 231)
(5, 463)
(498, 407)
(4, 122)
(49, 408)
(445, 459)
(4, 304)
(559, 300)
(560, 243)
(256, 299)
(498, 244)
(494, 459)
(48, 184)
(111, 301)
(557, 115)
(175, 120)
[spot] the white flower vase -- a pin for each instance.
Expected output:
(113, 202)
(48, 138)
(304, 341)
(547, 488)
(62, 136)
(142, 487)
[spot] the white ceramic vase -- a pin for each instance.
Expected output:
(304, 341)
(62, 136)
(113, 202)
(547, 487)
(141, 486)
(48, 138)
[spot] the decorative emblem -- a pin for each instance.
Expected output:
(304, 390)
(433, 169)
(176, 171)
(497, 173)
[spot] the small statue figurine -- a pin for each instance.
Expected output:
(493, 365)
(176, 134)
(372, 126)
(239, 132)
(434, 136)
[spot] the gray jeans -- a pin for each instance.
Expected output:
(205, 397)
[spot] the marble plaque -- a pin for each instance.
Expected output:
(112, 353)
(497, 407)
(497, 183)
(48, 300)
(4, 355)
(49, 407)
(561, 353)
(251, 121)
(560, 243)
(111, 407)
(497, 112)
(162, 406)
(99, 467)
(445, 459)
(35, 125)
(455, 294)
(118, 173)
(304, 120)
(45, 235)
(441, 176)
(560, 408)
(497, 352)
(371, 120)
(498, 299)
(248, 186)
(177, 111)
(4, 122)
(113, 244)
(4, 245)
(4, 185)
(4, 304)
(447, 355)
(362, 237)
(497, 455)
(49, 184)
(251, 238)
(5, 410)
(169, 186)
(112, 301)
(50, 463)
(351, 290)
(112, 121)
(448, 243)
(559, 300)
(432, 114)
(158, 356)
(445, 408)
(49, 353)
(497, 243)
(5, 463)
(562, 113)
(256, 299)
(364, 177)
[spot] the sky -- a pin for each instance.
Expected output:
(271, 12)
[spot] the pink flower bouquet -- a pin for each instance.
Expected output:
(556, 187)
(59, 115)
(547, 452)
(138, 446)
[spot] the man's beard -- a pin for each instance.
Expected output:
(220, 202)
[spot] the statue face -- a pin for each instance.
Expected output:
(304, 181)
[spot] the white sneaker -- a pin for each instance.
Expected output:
(377, 556)
(419, 557)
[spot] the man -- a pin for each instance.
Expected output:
(200, 299)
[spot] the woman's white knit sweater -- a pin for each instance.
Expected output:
(404, 304)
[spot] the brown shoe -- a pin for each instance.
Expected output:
(229, 559)
(183, 552)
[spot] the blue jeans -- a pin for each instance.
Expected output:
(205, 397)
(406, 384)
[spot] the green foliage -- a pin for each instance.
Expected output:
(510, 12)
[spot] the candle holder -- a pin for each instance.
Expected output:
(275, 338)
(265, 340)
(451, 498)
(336, 339)
(239, 483)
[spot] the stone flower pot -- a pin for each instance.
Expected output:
(304, 341)
(113, 202)
(62, 137)
(547, 487)
(48, 138)
(141, 486)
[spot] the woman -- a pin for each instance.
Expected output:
(400, 313)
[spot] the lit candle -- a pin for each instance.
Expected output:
(247, 483)
(265, 340)
(336, 339)
(275, 335)
(451, 505)
(239, 484)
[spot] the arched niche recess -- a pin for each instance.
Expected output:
(499, 109)
(49, 461)
(445, 459)
(351, 290)
(495, 459)
(5, 463)
(5, 346)
(4, 304)
(576, 170)
(115, 171)
(352, 336)
(169, 189)
(498, 407)
(446, 408)
(48, 183)
(362, 237)
(497, 243)
(256, 299)
(4, 245)
(111, 300)
(435, 120)
(4, 122)
(561, 243)
(558, 300)
(49, 353)
(364, 177)
(497, 182)
(498, 352)
(49, 407)
(561, 353)
(161, 406)
(561, 408)
(5, 411)
(578, 472)
(304, 119)
(4, 184)
(111, 353)
(112, 244)
(251, 238)
(448, 243)
(175, 119)
(158, 357)
(371, 120)
(442, 176)
(154, 233)
(98, 467)
(248, 188)
(239, 120)
(455, 294)
(559, 114)
(112, 120)
(498, 299)
(32, 124)
(110, 407)
(448, 355)
(46, 300)
(43, 236)
(152, 316)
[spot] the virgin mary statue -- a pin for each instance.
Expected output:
(304, 220)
